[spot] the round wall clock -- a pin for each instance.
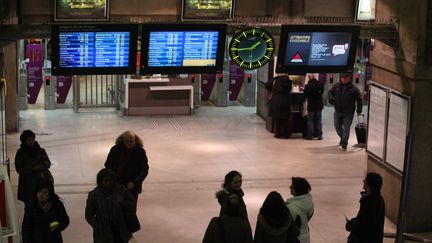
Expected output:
(251, 48)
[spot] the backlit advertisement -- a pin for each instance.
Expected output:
(81, 10)
(207, 9)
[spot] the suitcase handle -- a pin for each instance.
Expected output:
(361, 119)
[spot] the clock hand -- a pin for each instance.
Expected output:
(244, 49)
(255, 45)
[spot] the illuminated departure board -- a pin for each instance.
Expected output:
(182, 48)
(93, 49)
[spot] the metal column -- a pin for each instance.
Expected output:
(248, 92)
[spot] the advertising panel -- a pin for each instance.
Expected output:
(207, 10)
(81, 10)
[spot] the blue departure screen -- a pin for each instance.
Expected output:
(182, 48)
(94, 49)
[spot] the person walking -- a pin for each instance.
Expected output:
(345, 96)
(301, 205)
(275, 223)
(45, 216)
(107, 209)
(313, 93)
(368, 225)
(279, 109)
(32, 164)
(128, 159)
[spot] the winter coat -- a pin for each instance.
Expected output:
(313, 93)
(135, 169)
(36, 222)
(265, 233)
(222, 197)
(302, 206)
(345, 102)
(368, 226)
(95, 214)
(25, 159)
(228, 229)
(279, 107)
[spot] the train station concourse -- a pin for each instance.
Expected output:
(214, 86)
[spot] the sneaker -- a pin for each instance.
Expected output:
(343, 148)
(308, 138)
(320, 138)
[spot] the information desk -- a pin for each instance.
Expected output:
(157, 97)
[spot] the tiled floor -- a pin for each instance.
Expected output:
(188, 158)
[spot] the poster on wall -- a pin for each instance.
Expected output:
(219, 10)
(376, 121)
(365, 10)
(81, 10)
(34, 59)
(397, 129)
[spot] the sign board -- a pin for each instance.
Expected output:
(397, 130)
(81, 10)
(365, 10)
(377, 121)
(218, 10)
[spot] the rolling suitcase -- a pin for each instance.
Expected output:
(360, 129)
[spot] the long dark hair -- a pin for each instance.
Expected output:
(274, 210)
(229, 178)
(301, 186)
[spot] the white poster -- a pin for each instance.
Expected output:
(376, 123)
(397, 130)
(365, 10)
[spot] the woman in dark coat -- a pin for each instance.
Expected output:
(280, 109)
(128, 159)
(32, 164)
(45, 217)
(275, 224)
(106, 207)
(232, 186)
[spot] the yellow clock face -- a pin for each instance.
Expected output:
(251, 48)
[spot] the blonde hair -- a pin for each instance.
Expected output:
(120, 139)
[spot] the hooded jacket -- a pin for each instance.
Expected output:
(302, 206)
(265, 233)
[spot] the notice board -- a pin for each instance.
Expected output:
(397, 129)
(377, 121)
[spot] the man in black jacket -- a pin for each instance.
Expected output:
(344, 96)
(368, 226)
(313, 93)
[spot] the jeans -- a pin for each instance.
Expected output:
(314, 124)
(342, 123)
